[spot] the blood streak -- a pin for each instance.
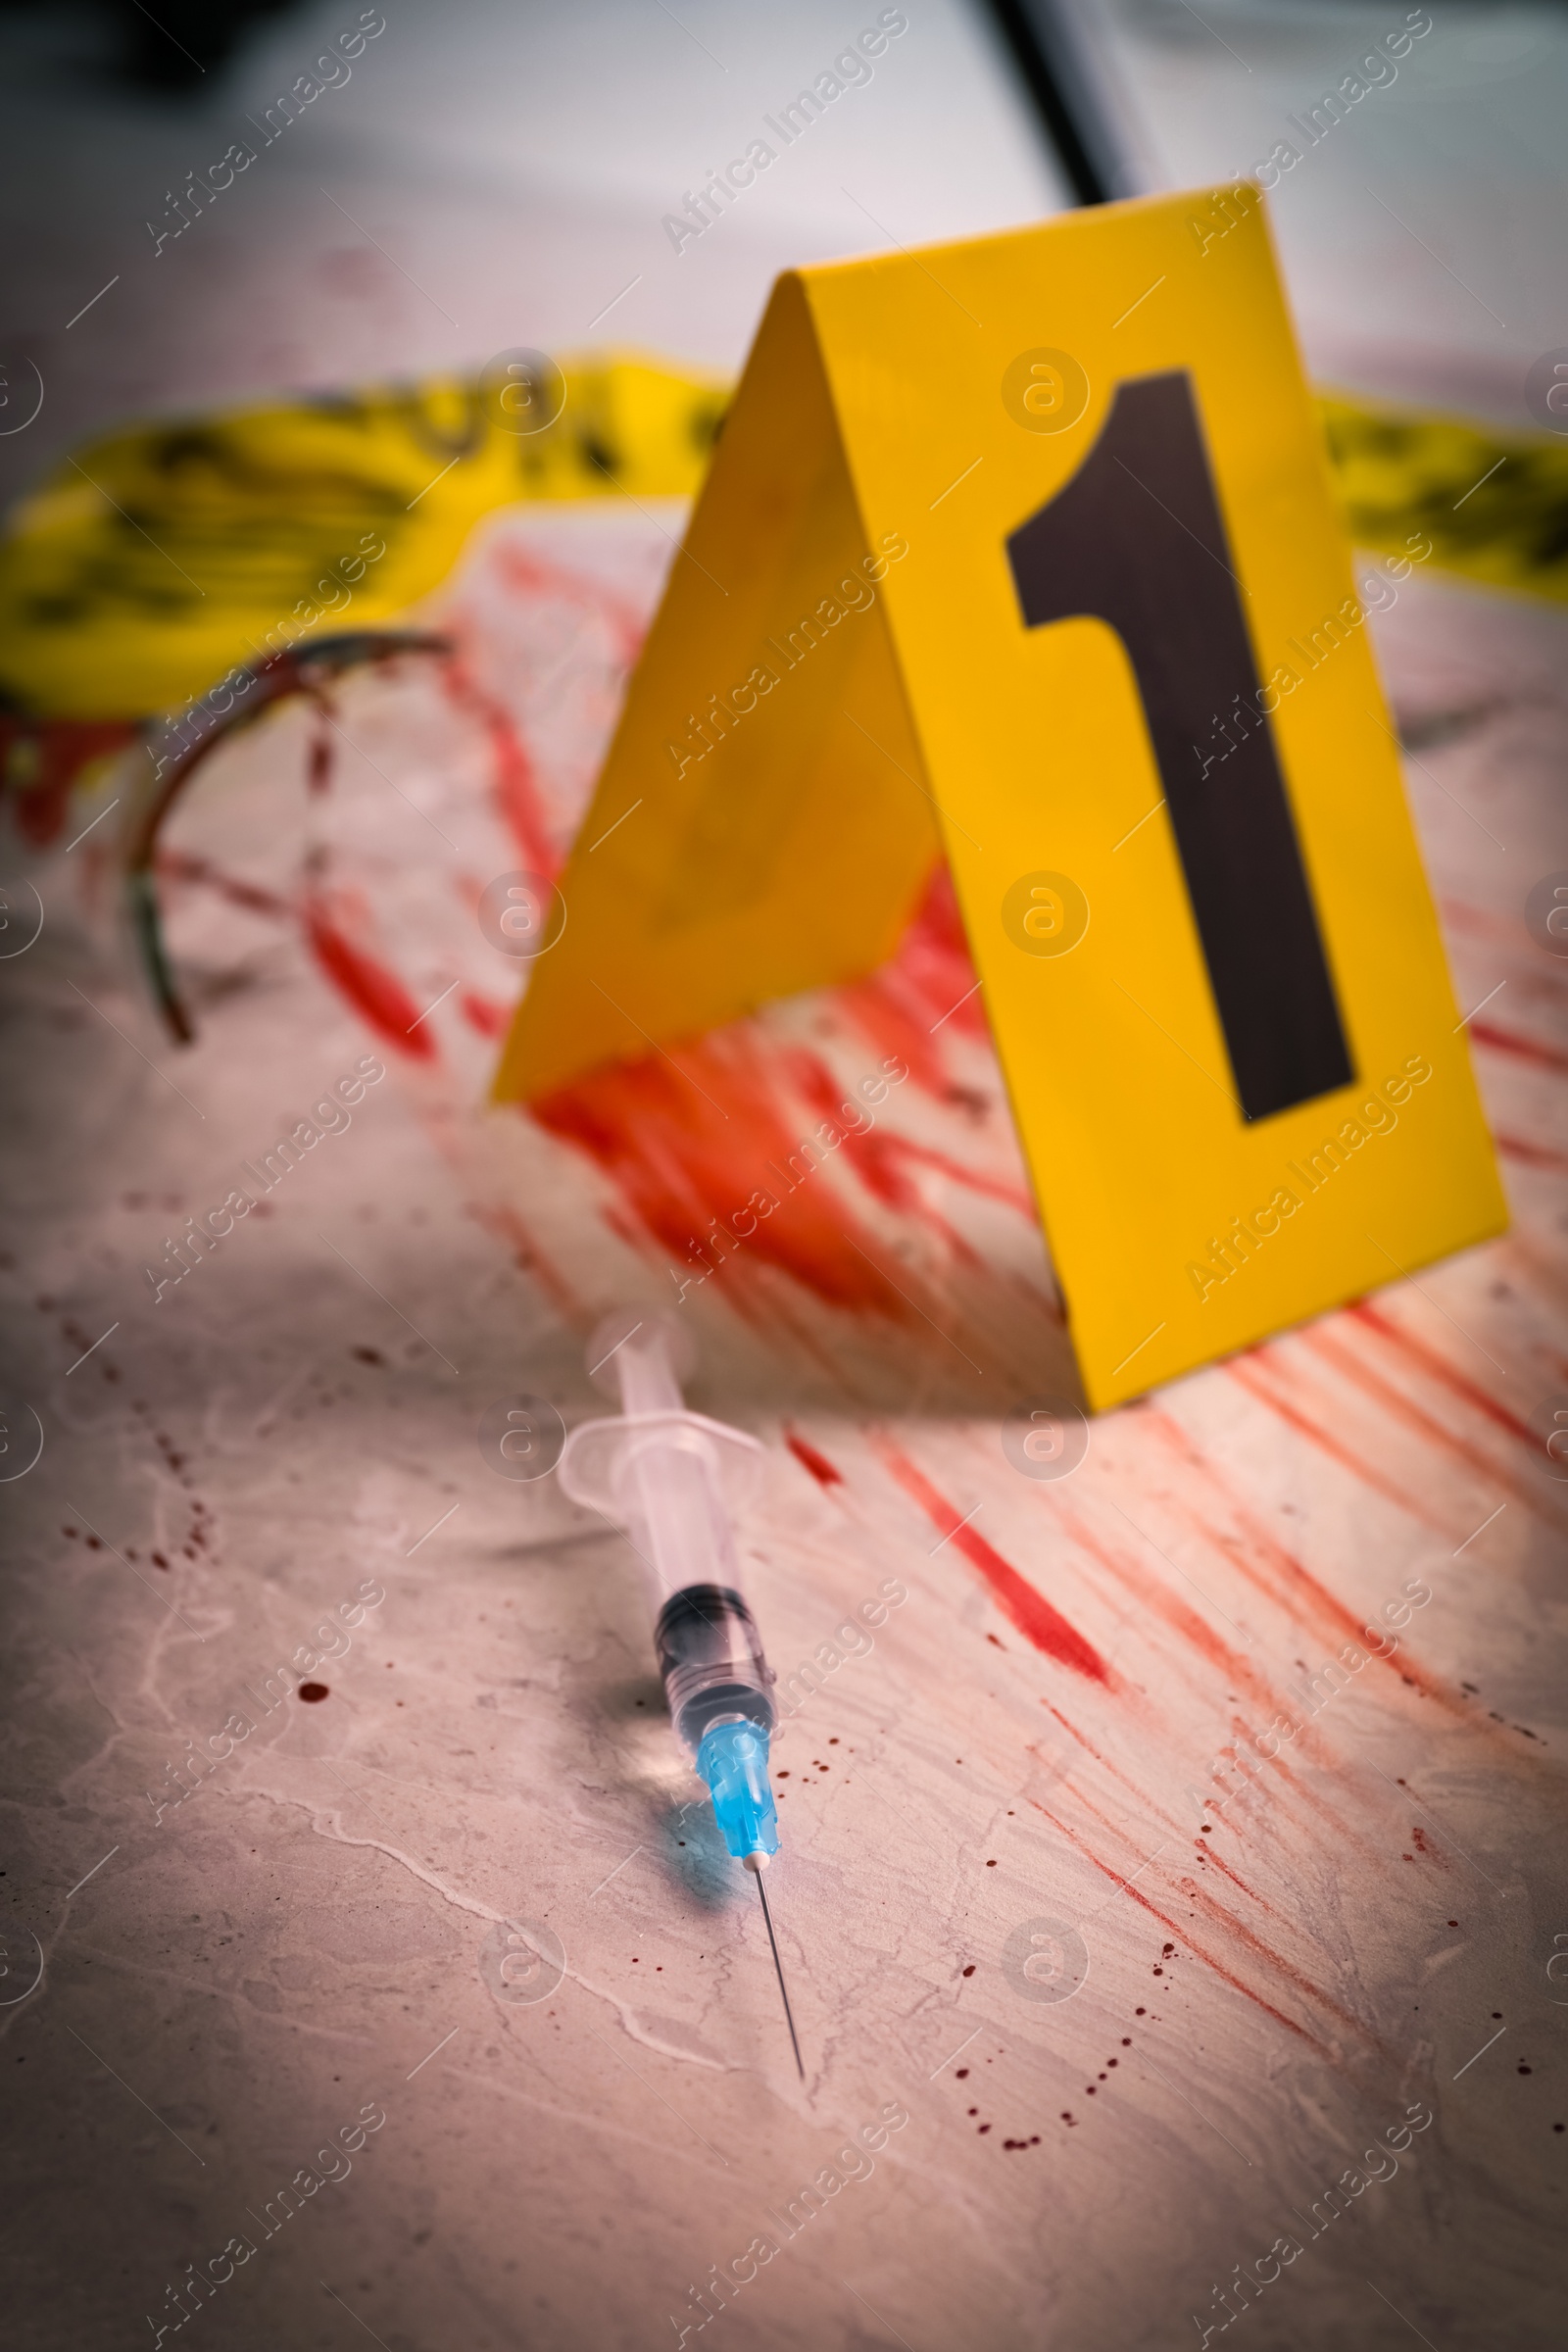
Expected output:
(178, 865)
(1181, 1618)
(1253, 1547)
(1442, 1370)
(518, 802)
(1247, 1371)
(1176, 1927)
(486, 1014)
(1402, 1409)
(1128, 1777)
(1218, 1862)
(1523, 1049)
(375, 992)
(1532, 1155)
(807, 1456)
(1296, 1583)
(1027, 1609)
(1201, 1898)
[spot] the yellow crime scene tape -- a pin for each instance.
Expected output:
(1494, 505)
(160, 556)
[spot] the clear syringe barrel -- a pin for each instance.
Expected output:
(672, 1478)
(668, 1492)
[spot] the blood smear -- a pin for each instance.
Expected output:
(699, 1141)
(698, 1145)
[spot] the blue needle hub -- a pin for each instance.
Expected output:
(733, 1760)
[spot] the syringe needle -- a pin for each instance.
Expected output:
(789, 2014)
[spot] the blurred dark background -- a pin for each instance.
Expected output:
(486, 174)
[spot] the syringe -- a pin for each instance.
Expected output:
(673, 1479)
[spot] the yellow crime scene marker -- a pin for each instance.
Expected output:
(1023, 551)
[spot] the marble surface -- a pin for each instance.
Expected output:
(443, 1892)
